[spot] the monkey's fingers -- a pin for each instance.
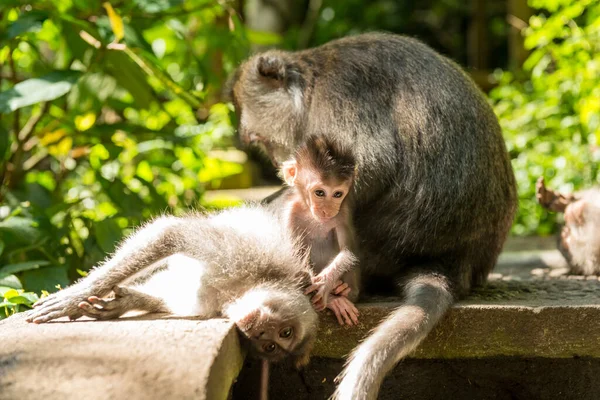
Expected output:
(340, 288)
(350, 311)
(105, 304)
(346, 292)
(48, 317)
(98, 313)
(336, 311)
(312, 288)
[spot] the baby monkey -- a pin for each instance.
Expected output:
(319, 212)
(579, 240)
(241, 263)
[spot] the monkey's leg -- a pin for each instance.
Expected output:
(427, 298)
(153, 242)
(126, 299)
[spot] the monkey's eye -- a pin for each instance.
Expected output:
(337, 195)
(286, 333)
(269, 347)
(319, 193)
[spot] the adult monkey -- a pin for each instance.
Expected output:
(435, 192)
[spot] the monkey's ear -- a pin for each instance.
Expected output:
(272, 67)
(289, 170)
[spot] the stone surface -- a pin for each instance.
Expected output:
(146, 357)
(529, 308)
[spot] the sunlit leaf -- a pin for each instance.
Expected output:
(11, 281)
(115, 21)
(264, 38)
(36, 90)
(86, 121)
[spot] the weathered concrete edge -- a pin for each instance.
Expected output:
(479, 331)
(225, 367)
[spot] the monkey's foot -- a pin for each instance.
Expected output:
(60, 304)
(345, 311)
(112, 308)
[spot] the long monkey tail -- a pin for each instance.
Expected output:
(427, 298)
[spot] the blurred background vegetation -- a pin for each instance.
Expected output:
(113, 112)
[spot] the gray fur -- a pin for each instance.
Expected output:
(236, 256)
(579, 239)
(434, 191)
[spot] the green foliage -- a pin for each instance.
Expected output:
(551, 119)
(106, 117)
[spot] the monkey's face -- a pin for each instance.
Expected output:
(324, 198)
(268, 98)
(278, 324)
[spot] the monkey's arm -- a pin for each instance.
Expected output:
(326, 281)
(153, 242)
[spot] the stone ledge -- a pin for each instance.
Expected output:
(529, 308)
(135, 358)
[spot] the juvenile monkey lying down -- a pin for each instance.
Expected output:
(241, 263)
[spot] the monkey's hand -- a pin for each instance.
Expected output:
(319, 299)
(104, 309)
(341, 289)
(344, 310)
(60, 304)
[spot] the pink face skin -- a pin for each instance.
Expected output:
(324, 198)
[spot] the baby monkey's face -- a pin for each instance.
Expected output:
(278, 325)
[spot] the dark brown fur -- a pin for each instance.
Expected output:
(435, 192)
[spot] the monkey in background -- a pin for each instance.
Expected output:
(241, 263)
(579, 240)
(434, 194)
(319, 212)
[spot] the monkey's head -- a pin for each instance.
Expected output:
(278, 322)
(322, 171)
(270, 97)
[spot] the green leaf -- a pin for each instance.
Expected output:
(264, 38)
(19, 229)
(19, 267)
(24, 298)
(45, 278)
(108, 233)
(156, 6)
(4, 143)
(11, 281)
(1, 246)
(28, 22)
(36, 90)
(130, 77)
